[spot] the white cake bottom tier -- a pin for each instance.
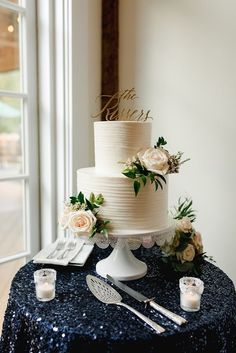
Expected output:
(129, 214)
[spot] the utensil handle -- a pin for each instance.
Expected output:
(50, 256)
(154, 325)
(172, 316)
(63, 254)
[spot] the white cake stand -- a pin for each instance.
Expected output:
(122, 264)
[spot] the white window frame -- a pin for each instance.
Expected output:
(69, 52)
(30, 125)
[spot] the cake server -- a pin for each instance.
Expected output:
(108, 295)
(141, 298)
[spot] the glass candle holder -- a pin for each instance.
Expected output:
(191, 289)
(45, 281)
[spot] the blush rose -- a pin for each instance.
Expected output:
(82, 221)
(155, 160)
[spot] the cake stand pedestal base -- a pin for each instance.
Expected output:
(121, 264)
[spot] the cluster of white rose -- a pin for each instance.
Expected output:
(187, 235)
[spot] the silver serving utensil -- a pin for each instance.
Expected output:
(59, 246)
(108, 295)
(141, 298)
(70, 246)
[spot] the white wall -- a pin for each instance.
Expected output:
(180, 55)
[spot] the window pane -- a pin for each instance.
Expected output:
(7, 272)
(9, 50)
(10, 136)
(12, 237)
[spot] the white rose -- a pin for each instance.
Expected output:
(184, 225)
(82, 221)
(186, 255)
(155, 160)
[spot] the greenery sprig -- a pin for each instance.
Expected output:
(184, 209)
(140, 175)
(81, 201)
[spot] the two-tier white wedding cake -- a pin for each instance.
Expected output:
(129, 214)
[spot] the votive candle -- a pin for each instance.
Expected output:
(191, 289)
(45, 284)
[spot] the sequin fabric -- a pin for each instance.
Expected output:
(76, 322)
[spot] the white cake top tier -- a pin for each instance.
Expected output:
(116, 141)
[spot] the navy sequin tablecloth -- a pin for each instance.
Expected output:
(76, 322)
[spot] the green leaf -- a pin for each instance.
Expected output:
(181, 206)
(90, 205)
(94, 231)
(187, 207)
(159, 183)
(104, 231)
(92, 197)
(161, 177)
(144, 179)
(99, 199)
(80, 198)
(137, 186)
(130, 174)
(161, 142)
(140, 168)
(106, 222)
(156, 185)
(152, 177)
(73, 200)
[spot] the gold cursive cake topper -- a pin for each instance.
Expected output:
(116, 107)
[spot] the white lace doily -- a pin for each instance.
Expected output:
(147, 240)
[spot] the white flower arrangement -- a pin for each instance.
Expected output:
(184, 252)
(80, 215)
(152, 163)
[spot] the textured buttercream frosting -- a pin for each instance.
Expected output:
(129, 214)
(116, 141)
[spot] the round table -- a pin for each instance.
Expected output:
(76, 322)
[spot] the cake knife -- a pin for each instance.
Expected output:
(141, 298)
